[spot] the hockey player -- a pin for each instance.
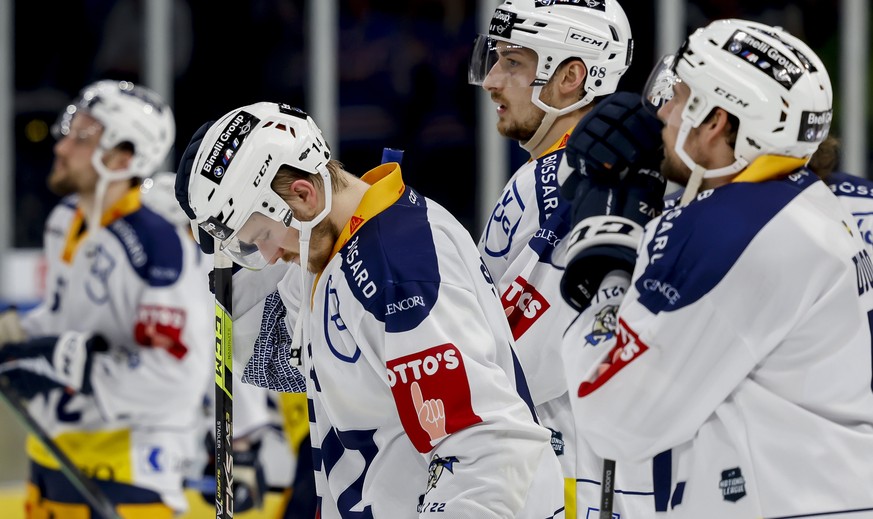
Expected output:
(744, 339)
(545, 64)
(416, 400)
(117, 280)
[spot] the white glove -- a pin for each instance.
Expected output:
(10, 328)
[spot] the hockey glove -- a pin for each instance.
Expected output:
(46, 363)
(618, 134)
(183, 177)
(609, 173)
(10, 328)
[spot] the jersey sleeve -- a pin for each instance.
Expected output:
(456, 403)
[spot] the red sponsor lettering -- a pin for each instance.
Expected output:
(524, 305)
(432, 394)
(628, 348)
(161, 327)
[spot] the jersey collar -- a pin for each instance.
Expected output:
(127, 204)
(386, 186)
(558, 144)
(769, 167)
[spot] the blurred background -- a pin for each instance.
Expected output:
(373, 73)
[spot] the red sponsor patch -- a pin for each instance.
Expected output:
(524, 305)
(161, 327)
(432, 394)
(354, 223)
(628, 348)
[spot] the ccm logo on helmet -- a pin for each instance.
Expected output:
(585, 40)
(263, 170)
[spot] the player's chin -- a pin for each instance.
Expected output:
(289, 257)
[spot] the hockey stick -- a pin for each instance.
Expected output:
(607, 489)
(223, 386)
(89, 490)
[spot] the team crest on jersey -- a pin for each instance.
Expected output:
(524, 305)
(337, 336)
(603, 328)
(732, 484)
(504, 222)
(97, 283)
(435, 470)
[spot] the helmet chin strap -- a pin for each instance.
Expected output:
(104, 177)
(551, 116)
(698, 172)
(301, 335)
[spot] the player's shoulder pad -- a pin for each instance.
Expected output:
(692, 248)
(391, 265)
(152, 244)
(845, 184)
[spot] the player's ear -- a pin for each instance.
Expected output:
(572, 76)
(304, 196)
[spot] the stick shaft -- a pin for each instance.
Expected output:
(89, 490)
(223, 387)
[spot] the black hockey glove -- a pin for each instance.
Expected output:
(618, 134)
(42, 364)
(183, 176)
(610, 174)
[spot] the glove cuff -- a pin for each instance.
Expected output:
(604, 230)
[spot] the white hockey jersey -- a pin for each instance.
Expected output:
(131, 281)
(744, 355)
(523, 248)
(417, 402)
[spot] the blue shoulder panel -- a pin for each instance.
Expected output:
(844, 184)
(391, 264)
(152, 245)
(695, 246)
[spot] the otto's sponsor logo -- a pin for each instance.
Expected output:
(628, 348)
(432, 394)
(360, 276)
(667, 290)
(429, 365)
(814, 126)
(405, 304)
(523, 305)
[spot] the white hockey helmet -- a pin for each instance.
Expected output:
(771, 81)
(229, 183)
(128, 113)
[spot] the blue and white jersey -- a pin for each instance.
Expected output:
(856, 193)
(524, 249)
(136, 280)
(743, 354)
(418, 406)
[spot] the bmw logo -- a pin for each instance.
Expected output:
(735, 47)
(219, 172)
